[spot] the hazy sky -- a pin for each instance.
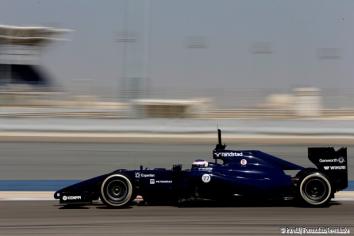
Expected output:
(293, 31)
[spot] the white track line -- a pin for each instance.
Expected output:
(26, 196)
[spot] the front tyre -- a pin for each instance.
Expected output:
(314, 189)
(116, 191)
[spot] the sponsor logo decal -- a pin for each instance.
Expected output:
(142, 175)
(152, 181)
(206, 178)
(243, 162)
(217, 154)
(335, 167)
(205, 168)
(335, 160)
(65, 198)
(228, 154)
(163, 181)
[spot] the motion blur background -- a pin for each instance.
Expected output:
(89, 86)
(154, 71)
(231, 54)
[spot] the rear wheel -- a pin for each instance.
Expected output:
(314, 189)
(116, 191)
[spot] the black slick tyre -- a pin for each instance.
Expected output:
(116, 191)
(314, 189)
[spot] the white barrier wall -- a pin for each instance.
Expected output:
(308, 102)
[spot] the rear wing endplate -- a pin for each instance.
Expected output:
(333, 163)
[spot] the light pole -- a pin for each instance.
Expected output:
(196, 46)
(125, 38)
(147, 40)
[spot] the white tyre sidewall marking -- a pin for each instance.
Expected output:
(310, 201)
(130, 190)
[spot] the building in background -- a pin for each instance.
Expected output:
(22, 77)
(20, 49)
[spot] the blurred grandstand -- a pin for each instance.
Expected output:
(27, 91)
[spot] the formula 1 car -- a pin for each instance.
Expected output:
(234, 174)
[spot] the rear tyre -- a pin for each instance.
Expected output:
(116, 191)
(314, 189)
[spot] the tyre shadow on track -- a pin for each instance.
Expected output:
(110, 208)
(207, 204)
(61, 207)
(248, 203)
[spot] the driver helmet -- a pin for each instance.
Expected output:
(200, 163)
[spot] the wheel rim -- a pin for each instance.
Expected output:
(315, 189)
(117, 190)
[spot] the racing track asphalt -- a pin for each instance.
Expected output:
(47, 218)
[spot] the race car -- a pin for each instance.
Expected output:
(233, 175)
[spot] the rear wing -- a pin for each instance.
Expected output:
(333, 163)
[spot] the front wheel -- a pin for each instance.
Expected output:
(116, 191)
(314, 189)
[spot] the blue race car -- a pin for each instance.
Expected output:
(233, 175)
